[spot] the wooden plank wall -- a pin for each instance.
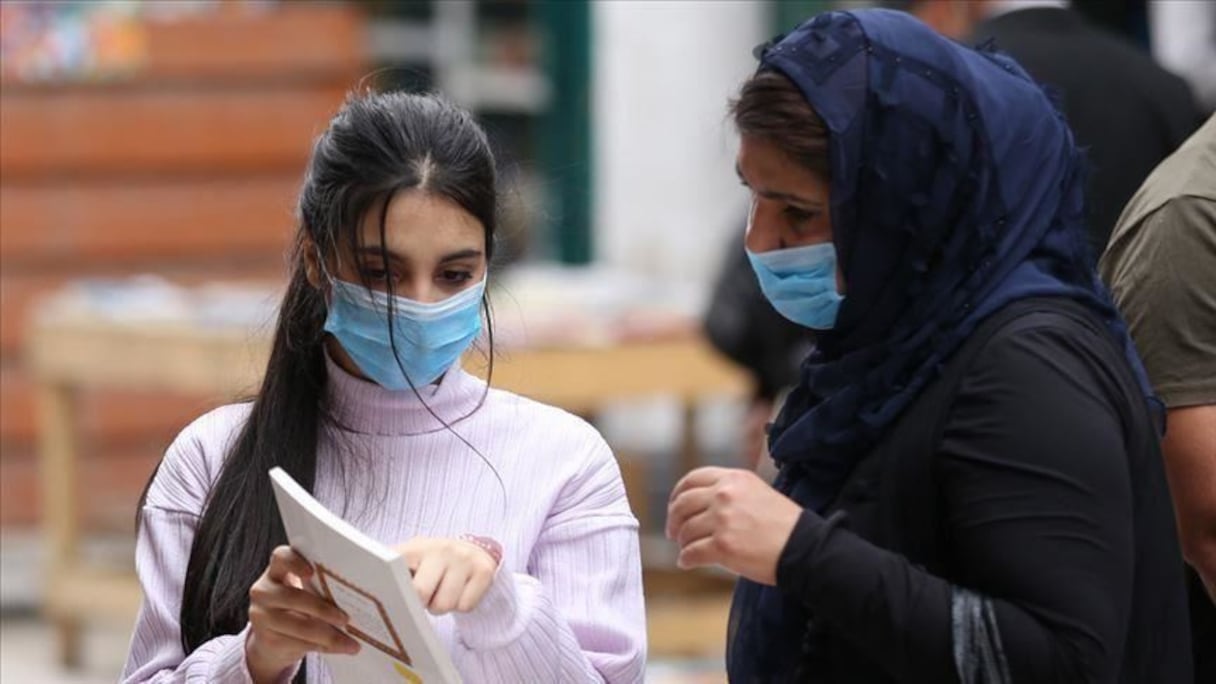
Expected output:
(189, 170)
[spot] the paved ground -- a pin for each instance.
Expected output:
(27, 657)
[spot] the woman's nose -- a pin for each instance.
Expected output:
(762, 234)
(419, 290)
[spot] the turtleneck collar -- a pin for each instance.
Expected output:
(365, 407)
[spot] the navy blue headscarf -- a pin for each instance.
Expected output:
(956, 188)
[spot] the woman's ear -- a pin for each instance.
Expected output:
(312, 263)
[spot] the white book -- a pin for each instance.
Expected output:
(372, 584)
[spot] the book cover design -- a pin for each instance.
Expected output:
(369, 620)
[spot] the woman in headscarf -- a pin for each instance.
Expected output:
(970, 486)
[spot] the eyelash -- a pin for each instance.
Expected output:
(456, 277)
(376, 275)
(797, 216)
(793, 214)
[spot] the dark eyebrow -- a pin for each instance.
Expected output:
(784, 197)
(792, 199)
(374, 250)
(462, 254)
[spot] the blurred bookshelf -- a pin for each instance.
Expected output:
(522, 66)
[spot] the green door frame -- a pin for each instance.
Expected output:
(565, 137)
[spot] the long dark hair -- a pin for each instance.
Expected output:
(377, 145)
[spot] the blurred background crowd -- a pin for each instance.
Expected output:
(150, 153)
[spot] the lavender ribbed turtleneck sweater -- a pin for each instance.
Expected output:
(566, 605)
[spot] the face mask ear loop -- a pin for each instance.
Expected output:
(329, 279)
(327, 290)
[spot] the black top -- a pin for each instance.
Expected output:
(1015, 525)
(1127, 110)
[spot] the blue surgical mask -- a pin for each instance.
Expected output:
(800, 282)
(429, 337)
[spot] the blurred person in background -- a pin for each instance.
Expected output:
(744, 326)
(364, 403)
(1184, 41)
(1161, 267)
(1125, 110)
(970, 486)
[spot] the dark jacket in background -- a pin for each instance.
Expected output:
(1129, 112)
(1120, 104)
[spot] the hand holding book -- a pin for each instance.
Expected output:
(364, 589)
(287, 620)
